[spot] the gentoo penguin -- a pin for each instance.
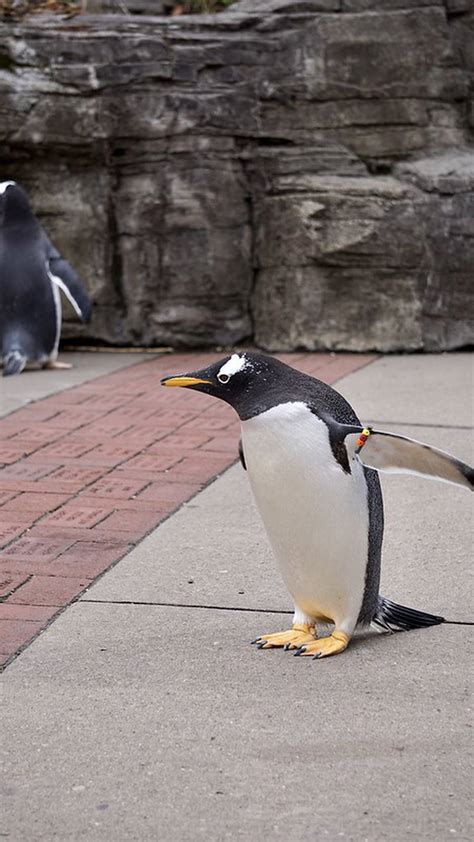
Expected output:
(310, 463)
(31, 274)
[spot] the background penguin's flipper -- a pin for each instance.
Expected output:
(398, 454)
(63, 275)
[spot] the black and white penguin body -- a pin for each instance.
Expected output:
(318, 495)
(303, 495)
(31, 274)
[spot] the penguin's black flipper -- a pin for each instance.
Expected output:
(241, 455)
(393, 617)
(399, 454)
(63, 275)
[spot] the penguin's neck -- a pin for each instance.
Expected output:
(287, 439)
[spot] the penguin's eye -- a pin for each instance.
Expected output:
(223, 378)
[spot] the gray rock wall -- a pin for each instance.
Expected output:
(297, 174)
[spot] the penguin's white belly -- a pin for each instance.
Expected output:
(315, 514)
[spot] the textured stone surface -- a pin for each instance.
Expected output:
(274, 173)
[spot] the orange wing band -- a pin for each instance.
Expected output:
(362, 439)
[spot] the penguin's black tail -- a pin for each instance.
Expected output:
(14, 362)
(392, 617)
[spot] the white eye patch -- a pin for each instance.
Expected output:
(4, 185)
(232, 366)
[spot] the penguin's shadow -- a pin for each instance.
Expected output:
(372, 637)
(361, 638)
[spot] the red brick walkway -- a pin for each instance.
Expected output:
(87, 473)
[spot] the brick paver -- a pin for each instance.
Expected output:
(87, 473)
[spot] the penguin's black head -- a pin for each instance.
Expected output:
(14, 205)
(248, 381)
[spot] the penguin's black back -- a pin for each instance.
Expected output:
(27, 307)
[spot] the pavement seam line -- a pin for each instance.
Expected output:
(145, 604)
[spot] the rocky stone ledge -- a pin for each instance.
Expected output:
(298, 174)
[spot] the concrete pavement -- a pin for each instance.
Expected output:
(143, 714)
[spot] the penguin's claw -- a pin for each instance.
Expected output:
(294, 638)
(55, 364)
(332, 645)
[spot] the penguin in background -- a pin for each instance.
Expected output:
(32, 272)
(313, 469)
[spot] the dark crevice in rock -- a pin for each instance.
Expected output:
(379, 167)
(275, 142)
(456, 8)
(250, 203)
(115, 261)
